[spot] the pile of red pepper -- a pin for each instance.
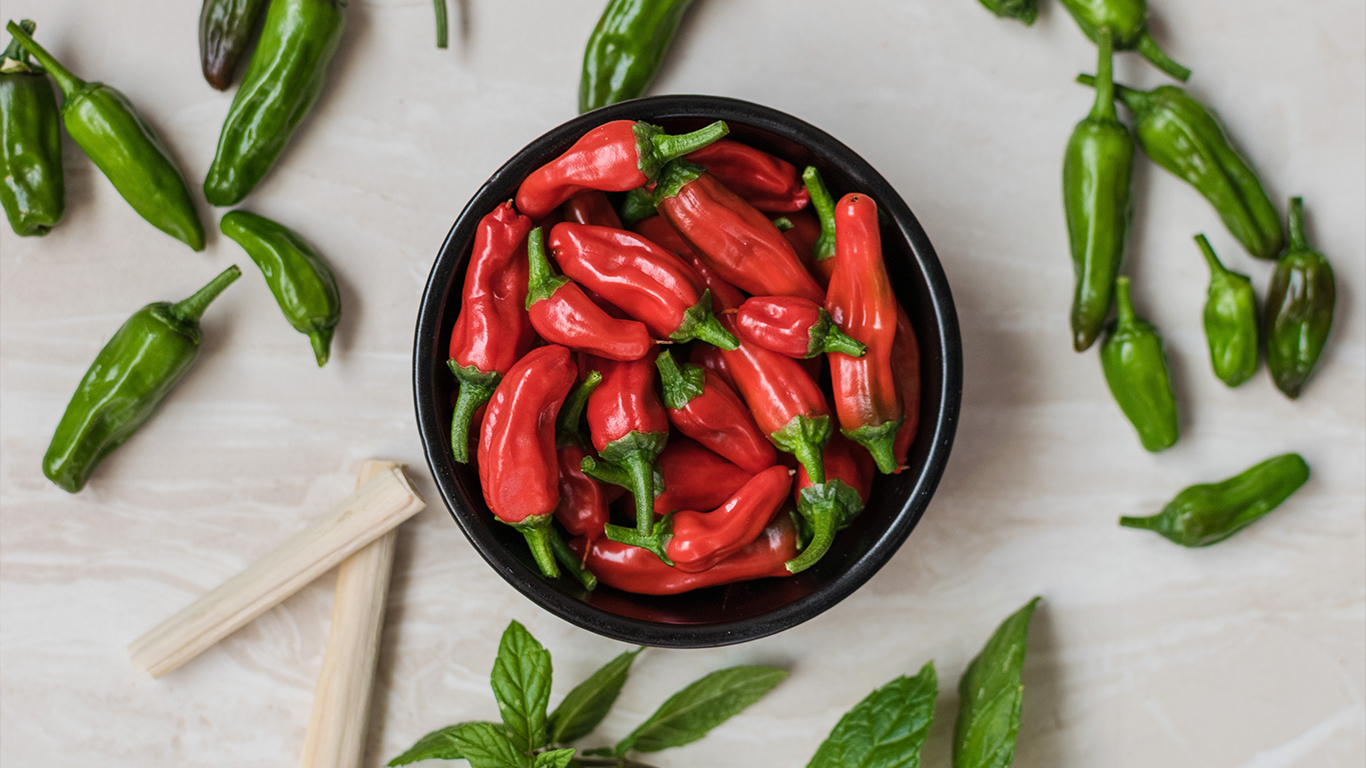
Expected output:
(705, 449)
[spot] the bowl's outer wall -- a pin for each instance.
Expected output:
(738, 612)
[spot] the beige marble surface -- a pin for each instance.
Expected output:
(1248, 655)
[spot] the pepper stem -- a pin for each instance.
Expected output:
(669, 147)
(823, 520)
(1298, 240)
(1147, 47)
(322, 345)
(880, 440)
(191, 309)
(536, 530)
(638, 205)
(825, 336)
(542, 282)
(68, 82)
(824, 247)
(16, 52)
(680, 385)
(656, 540)
(699, 323)
(643, 488)
(1124, 302)
(1104, 108)
(1133, 98)
(570, 561)
(783, 223)
(1143, 523)
(567, 430)
(1216, 267)
(442, 29)
(476, 387)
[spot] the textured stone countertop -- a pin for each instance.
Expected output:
(1251, 654)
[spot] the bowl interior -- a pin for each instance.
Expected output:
(737, 612)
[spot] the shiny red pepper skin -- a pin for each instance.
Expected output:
(700, 540)
(493, 330)
(591, 207)
(712, 359)
(802, 235)
(695, 477)
(723, 295)
(906, 361)
(563, 314)
(613, 157)
(730, 235)
(764, 181)
(629, 427)
(867, 398)
(703, 407)
(793, 327)
(832, 505)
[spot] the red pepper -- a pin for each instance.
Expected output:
(583, 507)
(823, 246)
(629, 429)
(649, 283)
(793, 327)
(493, 330)
(712, 359)
(591, 207)
(704, 408)
(764, 181)
(867, 398)
(832, 505)
(730, 235)
(687, 476)
(723, 295)
(563, 314)
(802, 235)
(697, 541)
(906, 359)
(613, 157)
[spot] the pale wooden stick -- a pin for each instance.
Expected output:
(373, 510)
(341, 707)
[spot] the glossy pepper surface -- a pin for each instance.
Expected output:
(793, 327)
(286, 74)
(591, 207)
(493, 329)
(703, 407)
(1299, 309)
(1026, 11)
(730, 235)
(723, 295)
(104, 124)
(697, 541)
(1128, 22)
(1135, 366)
(1097, 185)
(302, 283)
(225, 28)
(766, 182)
(129, 378)
(1230, 320)
(832, 505)
(1202, 515)
(582, 509)
(614, 157)
(629, 428)
(563, 314)
(626, 48)
(32, 189)
(906, 362)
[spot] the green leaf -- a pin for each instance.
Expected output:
(521, 683)
(886, 729)
(556, 758)
(992, 697)
(485, 745)
(689, 714)
(437, 745)
(585, 706)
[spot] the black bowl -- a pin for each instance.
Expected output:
(738, 612)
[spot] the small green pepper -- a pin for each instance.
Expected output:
(32, 189)
(130, 377)
(1128, 22)
(626, 48)
(109, 130)
(1203, 515)
(1024, 10)
(1097, 175)
(1230, 320)
(225, 28)
(1299, 309)
(1135, 366)
(303, 285)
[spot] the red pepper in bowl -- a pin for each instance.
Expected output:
(563, 314)
(906, 360)
(591, 207)
(629, 429)
(583, 507)
(793, 327)
(764, 181)
(703, 407)
(723, 295)
(696, 541)
(802, 236)
(712, 359)
(832, 505)
(687, 476)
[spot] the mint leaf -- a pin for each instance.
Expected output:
(521, 683)
(556, 758)
(437, 745)
(886, 729)
(589, 703)
(992, 697)
(689, 714)
(485, 745)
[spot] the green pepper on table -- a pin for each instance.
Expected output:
(1128, 22)
(1135, 366)
(32, 189)
(1230, 320)
(626, 48)
(1299, 309)
(225, 28)
(1026, 11)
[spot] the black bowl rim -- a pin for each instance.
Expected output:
(824, 597)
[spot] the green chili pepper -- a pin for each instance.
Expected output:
(1230, 320)
(1128, 22)
(286, 74)
(303, 285)
(1299, 309)
(32, 189)
(1135, 366)
(1203, 515)
(1097, 174)
(1024, 10)
(626, 48)
(106, 127)
(225, 28)
(128, 380)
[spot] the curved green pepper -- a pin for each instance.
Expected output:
(1230, 320)
(1135, 366)
(286, 74)
(109, 130)
(301, 281)
(1299, 309)
(1024, 10)
(1097, 174)
(225, 28)
(1128, 22)
(32, 189)
(130, 377)
(1202, 515)
(626, 48)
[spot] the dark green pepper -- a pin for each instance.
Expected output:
(303, 285)
(128, 380)
(225, 28)
(32, 190)
(1097, 175)
(1230, 320)
(109, 130)
(1299, 309)
(1128, 22)
(286, 74)
(1203, 515)
(1024, 10)
(626, 48)
(1135, 366)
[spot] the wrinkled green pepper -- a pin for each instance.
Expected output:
(1230, 320)
(225, 28)
(301, 281)
(32, 189)
(286, 74)
(1097, 175)
(626, 48)
(1299, 309)
(1024, 10)
(1202, 515)
(130, 377)
(109, 130)
(1128, 22)
(1135, 366)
